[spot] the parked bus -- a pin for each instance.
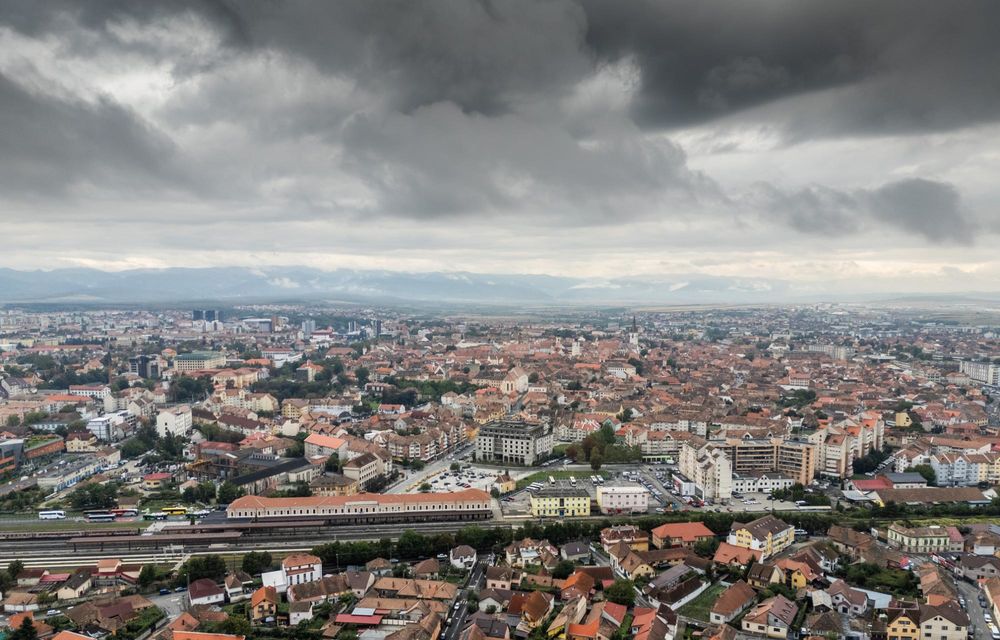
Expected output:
(552, 480)
(100, 516)
(125, 513)
(572, 480)
(174, 511)
(813, 507)
(57, 514)
(154, 516)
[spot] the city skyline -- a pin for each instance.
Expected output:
(840, 149)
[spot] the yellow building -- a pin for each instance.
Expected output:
(769, 535)
(560, 501)
(903, 624)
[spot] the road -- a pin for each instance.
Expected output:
(971, 594)
(459, 614)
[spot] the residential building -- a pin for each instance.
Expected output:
(363, 469)
(681, 534)
(772, 617)
(767, 534)
(732, 602)
(174, 421)
(709, 468)
(633, 536)
(319, 445)
(514, 442)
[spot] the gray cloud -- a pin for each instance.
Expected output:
(51, 144)
(929, 209)
(563, 117)
(897, 66)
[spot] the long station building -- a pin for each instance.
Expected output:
(469, 504)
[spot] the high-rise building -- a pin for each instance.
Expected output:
(308, 327)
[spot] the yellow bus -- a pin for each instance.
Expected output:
(174, 511)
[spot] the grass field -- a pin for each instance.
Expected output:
(558, 474)
(701, 607)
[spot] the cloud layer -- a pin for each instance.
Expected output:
(555, 137)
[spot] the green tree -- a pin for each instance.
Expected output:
(621, 592)
(236, 625)
(13, 420)
(198, 567)
(361, 375)
(25, 632)
(14, 568)
(596, 459)
(147, 575)
(927, 471)
(706, 548)
(563, 570)
(229, 492)
(257, 562)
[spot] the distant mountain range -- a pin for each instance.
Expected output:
(239, 284)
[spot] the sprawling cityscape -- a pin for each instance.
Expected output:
(499, 320)
(333, 471)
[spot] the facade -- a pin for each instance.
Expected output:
(767, 535)
(631, 498)
(112, 427)
(985, 372)
(681, 534)
(772, 618)
(708, 467)
(363, 469)
(924, 540)
(513, 442)
(796, 460)
(300, 568)
(317, 444)
(199, 360)
(560, 501)
(764, 483)
(174, 421)
(468, 504)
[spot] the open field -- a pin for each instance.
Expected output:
(701, 607)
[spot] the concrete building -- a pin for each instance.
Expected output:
(514, 442)
(630, 498)
(709, 468)
(175, 421)
(985, 372)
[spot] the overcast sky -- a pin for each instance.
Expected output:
(839, 145)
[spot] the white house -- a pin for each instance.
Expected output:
(299, 568)
(462, 557)
(205, 591)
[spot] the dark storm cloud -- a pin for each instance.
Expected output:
(929, 209)
(901, 66)
(458, 108)
(51, 144)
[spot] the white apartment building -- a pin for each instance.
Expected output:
(985, 372)
(112, 427)
(175, 420)
(300, 568)
(708, 467)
